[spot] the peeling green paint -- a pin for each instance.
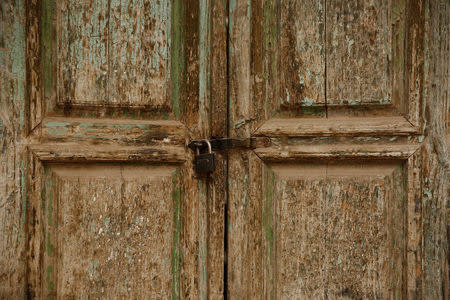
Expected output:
(58, 131)
(23, 193)
(47, 37)
(50, 283)
(177, 229)
(268, 222)
(308, 102)
(178, 66)
(56, 124)
(203, 250)
(18, 59)
(270, 40)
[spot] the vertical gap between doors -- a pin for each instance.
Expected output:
(225, 236)
(325, 57)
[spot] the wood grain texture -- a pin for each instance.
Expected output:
(99, 238)
(125, 59)
(83, 35)
(215, 188)
(387, 102)
(11, 221)
(336, 127)
(33, 61)
(122, 61)
(139, 52)
(114, 52)
(435, 162)
(302, 26)
(111, 132)
(13, 164)
(86, 152)
(282, 153)
(359, 52)
(245, 248)
(332, 222)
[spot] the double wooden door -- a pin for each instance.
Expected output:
(344, 198)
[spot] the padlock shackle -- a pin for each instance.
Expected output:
(208, 144)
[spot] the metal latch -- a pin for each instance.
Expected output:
(226, 144)
(204, 160)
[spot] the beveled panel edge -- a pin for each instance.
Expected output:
(110, 131)
(81, 152)
(342, 169)
(379, 126)
(337, 151)
(110, 170)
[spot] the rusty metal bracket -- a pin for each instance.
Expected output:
(226, 144)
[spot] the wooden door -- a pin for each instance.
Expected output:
(348, 200)
(98, 194)
(99, 99)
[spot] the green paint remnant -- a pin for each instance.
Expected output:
(56, 124)
(269, 177)
(232, 8)
(50, 283)
(92, 227)
(339, 260)
(139, 220)
(177, 56)
(106, 221)
(270, 40)
(385, 100)
(421, 138)
(203, 249)
(82, 125)
(93, 267)
(288, 96)
(47, 37)
(428, 193)
(50, 247)
(308, 102)
(18, 59)
(367, 139)
(354, 101)
(350, 43)
(177, 229)
(50, 206)
(58, 131)
(23, 192)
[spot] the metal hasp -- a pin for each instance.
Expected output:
(204, 163)
(226, 144)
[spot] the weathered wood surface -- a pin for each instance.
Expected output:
(435, 160)
(72, 128)
(119, 226)
(13, 123)
(114, 52)
(386, 90)
(338, 229)
(359, 55)
(112, 96)
(336, 151)
(133, 59)
(302, 26)
(216, 84)
(109, 131)
(336, 127)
